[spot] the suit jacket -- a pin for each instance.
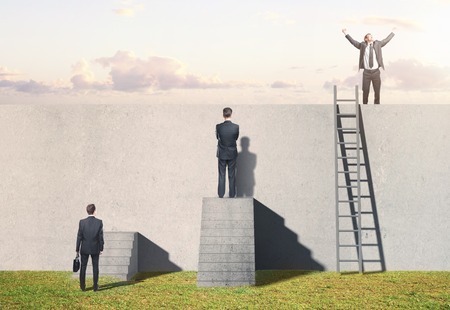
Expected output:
(90, 236)
(377, 45)
(227, 133)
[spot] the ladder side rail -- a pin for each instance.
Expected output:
(358, 165)
(336, 180)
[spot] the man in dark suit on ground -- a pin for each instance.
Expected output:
(370, 59)
(90, 239)
(227, 133)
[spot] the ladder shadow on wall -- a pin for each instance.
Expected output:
(277, 248)
(373, 259)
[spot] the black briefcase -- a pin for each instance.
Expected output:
(76, 264)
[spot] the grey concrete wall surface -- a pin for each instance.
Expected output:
(147, 168)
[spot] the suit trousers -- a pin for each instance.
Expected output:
(223, 163)
(84, 262)
(374, 77)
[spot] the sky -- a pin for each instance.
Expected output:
(218, 52)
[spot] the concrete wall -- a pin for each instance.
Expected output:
(147, 168)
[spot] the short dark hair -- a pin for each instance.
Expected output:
(90, 209)
(227, 112)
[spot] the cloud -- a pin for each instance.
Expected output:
(403, 74)
(383, 21)
(83, 77)
(9, 80)
(285, 84)
(130, 73)
(6, 74)
(347, 83)
(31, 86)
(411, 74)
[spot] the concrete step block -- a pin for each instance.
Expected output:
(109, 269)
(230, 224)
(116, 252)
(228, 232)
(119, 244)
(226, 267)
(230, 216)
(119, 235)
(227, 248)
(115, 260)
(236, 205)
(227, 243)
(229, 258)
(227, 240)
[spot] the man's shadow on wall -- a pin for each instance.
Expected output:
(276, 246)
(245, 166)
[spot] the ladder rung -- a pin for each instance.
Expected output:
(343, 128)
(348, 215)
(352, 164)
(342, 201)
(348, 171)
(365, 196)
(346, 115)
(372, 260)
(353, 143)
(367, 212)
(348, 245)
(349, 261)
(347, 157)
(346, 100)
(368, 228)
(354, 148)
(370, 244)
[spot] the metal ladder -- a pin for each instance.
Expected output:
(348, 180)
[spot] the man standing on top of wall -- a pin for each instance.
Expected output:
(227, 134)
(370, 59)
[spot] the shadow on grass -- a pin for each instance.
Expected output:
(140, 277)
(267, 277)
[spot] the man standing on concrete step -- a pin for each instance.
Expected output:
(227, 134)
(371, 60)
(90, 239)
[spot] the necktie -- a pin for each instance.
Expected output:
(371, 56)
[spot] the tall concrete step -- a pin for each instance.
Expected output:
(120, 255)
(227, 243)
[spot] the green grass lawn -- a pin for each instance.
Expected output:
(274, 290)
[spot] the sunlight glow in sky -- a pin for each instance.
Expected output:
(225, 52)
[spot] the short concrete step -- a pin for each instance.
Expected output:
(116, 252)
(120, 255)
(119, 244)
(118, 235)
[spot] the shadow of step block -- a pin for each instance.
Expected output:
(227, 243)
